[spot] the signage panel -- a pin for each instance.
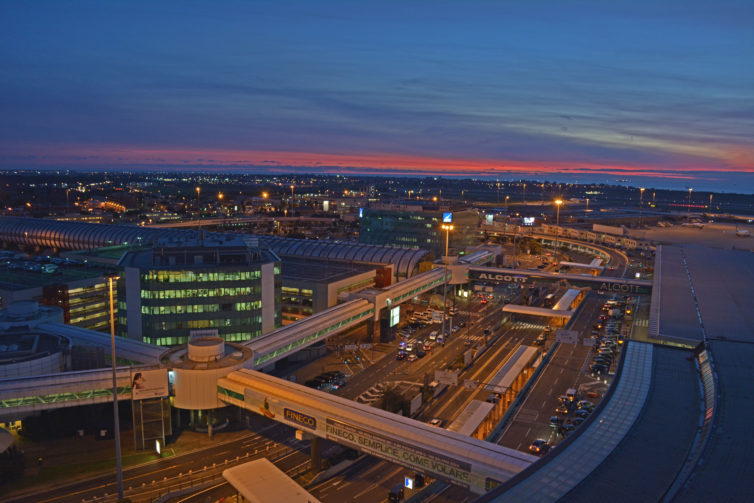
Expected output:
(416, 458)
(300, 418)
(447, 217)
(395, 316)
(149, 384)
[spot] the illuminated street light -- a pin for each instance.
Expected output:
(220, 196)
(447, 228)
(688, 208)
(558, 202)
(641, 200)
(265, 195)
(198, 192)
(116, 418)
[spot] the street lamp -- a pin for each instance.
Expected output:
(558, 202)
(198, 191)
(641, 201)
(447, 228)
(688, 208)
(292, 196)
(116, 418)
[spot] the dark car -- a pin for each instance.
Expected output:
(400, 356)
(581, 413)
(556, 421)
(598, 368)
(420, 353)
(539, 446)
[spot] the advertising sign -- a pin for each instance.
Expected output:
(395, 316)
(441, 467)
(149, 384)
(447, 217)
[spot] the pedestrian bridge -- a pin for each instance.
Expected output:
(445, 455)
(497, 275)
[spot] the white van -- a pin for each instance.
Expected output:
(433, 335)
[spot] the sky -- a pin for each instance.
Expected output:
(660, 93)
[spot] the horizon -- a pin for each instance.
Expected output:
(602, 180)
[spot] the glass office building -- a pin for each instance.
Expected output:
(190, 287)
(417, 226)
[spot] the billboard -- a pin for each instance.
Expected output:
(395, 316)
(447, 217)
(149, 384)
(412, 456)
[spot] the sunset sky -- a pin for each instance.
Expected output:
(560, 90)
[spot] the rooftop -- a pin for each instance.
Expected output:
(320, 271)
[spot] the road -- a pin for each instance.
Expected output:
(143, 483)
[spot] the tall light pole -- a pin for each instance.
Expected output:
(710, 201)
(292, 196)
(641, 201)
(447, 228)
(688, 208)
(198, 191)
(524, 193)
(587, 206)
(116, 418)
(558, 202)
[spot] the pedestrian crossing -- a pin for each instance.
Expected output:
(524, 325)
(641, 323)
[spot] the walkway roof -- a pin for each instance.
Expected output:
(260, 481)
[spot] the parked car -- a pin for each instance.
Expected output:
(585, 405)
(598, 368)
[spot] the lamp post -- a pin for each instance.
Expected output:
(558, 202)
(524, 193)
(447, 228)
(688, 208)
(641, 201)
(116, 419)
(198, 191)
(292, 196)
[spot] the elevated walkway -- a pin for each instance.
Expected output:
(125, 349)
(282, 342)
(537, 311)
(461, 460)
(500, 275)
(28, 395)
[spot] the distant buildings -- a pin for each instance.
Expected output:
(418, 226)
(184, 287)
